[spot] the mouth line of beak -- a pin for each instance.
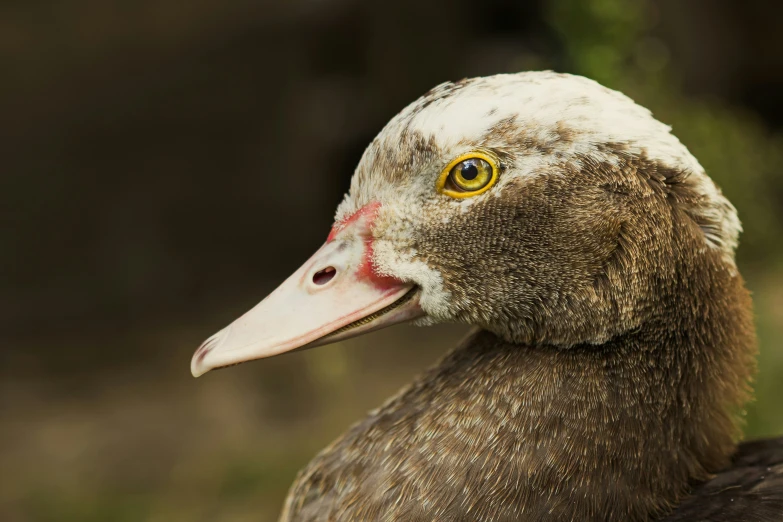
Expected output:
(373, 316)
(407, 297)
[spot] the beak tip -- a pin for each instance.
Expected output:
(197, 364)
(197, 367)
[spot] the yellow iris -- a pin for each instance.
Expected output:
(468, 175)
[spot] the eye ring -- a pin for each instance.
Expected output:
(468, 175)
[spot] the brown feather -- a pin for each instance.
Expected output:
(609, 377)
(615, 343)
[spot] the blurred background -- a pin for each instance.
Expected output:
(165, 164)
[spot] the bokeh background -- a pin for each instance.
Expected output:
(164, 164)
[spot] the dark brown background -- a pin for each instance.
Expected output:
(165, 164)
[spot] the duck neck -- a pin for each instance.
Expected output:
(615, 431)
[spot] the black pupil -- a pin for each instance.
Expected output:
(469, 171)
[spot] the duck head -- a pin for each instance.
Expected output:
(542, 207)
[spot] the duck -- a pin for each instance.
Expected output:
(613, 345)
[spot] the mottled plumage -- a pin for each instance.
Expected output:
(614, 341)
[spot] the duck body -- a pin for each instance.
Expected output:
(748, 490)
(613, 344)
(421, 458)
(501, 431)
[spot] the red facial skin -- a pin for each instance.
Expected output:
(367, 268)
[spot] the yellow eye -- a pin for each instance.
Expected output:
(468, 175)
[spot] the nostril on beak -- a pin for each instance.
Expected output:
(324, 276)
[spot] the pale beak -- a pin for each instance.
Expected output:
(335, 295)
